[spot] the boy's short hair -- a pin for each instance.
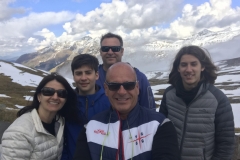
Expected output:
(84, 60)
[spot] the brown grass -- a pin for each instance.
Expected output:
(8, 115)
(237, 130)
(15, 91)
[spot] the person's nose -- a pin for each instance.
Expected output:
(83, 77)
(121, 90)
(110, 51)
(55, 96)
(189, 68)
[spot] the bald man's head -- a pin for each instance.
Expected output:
(117, 67)
(121, 87)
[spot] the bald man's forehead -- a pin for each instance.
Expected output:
(121, 70)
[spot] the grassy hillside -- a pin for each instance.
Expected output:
(15, 92)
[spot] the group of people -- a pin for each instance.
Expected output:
(111, 114)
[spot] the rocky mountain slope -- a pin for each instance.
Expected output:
(57, 54)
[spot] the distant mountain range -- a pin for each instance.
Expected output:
(58, 56)
(203, 38)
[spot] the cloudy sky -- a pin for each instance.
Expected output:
(28, 25)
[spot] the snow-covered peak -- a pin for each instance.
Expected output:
(204, 32)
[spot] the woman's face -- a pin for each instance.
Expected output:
(53, 97)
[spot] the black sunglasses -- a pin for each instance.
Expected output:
(116, 86)
(46, 91)
(113, 48)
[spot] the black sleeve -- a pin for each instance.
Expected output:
(163, 106)
(165, 143)
(82, 151)
(224, 130)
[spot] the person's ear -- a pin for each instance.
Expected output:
(39, 98)
(122, 50)
(106, 89)
(100, 51)
(202, 68)
(137, 87)
(97, 75)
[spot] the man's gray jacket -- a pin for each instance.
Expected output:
(205, 127)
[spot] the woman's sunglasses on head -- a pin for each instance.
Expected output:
(116, 86)
(113, 48)
(46, 91)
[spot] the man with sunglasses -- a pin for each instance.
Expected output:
(91, 99)
(111, 52)
(126, 130)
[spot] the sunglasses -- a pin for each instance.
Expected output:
(116, 86)
(46, 91)
(113, 48)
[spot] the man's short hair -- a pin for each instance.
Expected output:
(84, 60)
(111, 35)
(208, 75)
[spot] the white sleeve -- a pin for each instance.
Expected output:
(16, 144)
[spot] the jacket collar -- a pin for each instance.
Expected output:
(59, 125)
(132, 116)
(94, 97)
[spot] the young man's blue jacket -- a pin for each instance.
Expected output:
(145, 97)
(88, 106)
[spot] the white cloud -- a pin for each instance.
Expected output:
(15, 32)
(128, 14)
(67, 27)
(7, 12)
(137, 21)
(214, 15)
(33, 22)
(48, 35)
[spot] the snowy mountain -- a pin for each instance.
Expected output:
(203, 38)
(58, 53)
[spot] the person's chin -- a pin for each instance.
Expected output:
(189, 81)
(54, 109)
(83, 87)
(111, 61)
(123, 106)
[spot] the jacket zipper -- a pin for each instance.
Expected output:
(86, 107)
(120, 141)
(185, 123)
(184, 129)
(204, 154)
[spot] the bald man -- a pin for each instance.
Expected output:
(126, 130)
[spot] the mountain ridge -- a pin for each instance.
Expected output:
(57, 53)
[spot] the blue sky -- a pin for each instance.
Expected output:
(58, 5)
(29, 25)
(82, 6)
(198, 2)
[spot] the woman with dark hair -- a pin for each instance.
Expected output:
(200, 112)
(37, 133)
